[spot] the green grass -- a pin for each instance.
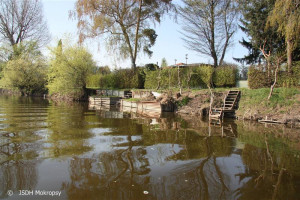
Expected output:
(133, 100)
(281, 97)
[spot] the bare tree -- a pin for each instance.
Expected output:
(22, 21)
(208, 26)
(275, 60)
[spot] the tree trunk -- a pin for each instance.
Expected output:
(212, 32)
(273, 85)
(179, 80)
(214, 55)
(289, 55)
(133, 65)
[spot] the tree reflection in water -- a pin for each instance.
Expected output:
(127, 156)
(18, 152)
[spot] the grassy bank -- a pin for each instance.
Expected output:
(284, 104)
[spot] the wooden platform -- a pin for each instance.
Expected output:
(230, 104)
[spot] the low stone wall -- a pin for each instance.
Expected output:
(117, 93)
(140, 94)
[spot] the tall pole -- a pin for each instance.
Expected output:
(186, 58)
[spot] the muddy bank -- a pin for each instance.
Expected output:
(282, 115)
(197, 103)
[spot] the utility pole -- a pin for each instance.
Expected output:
(186, 58)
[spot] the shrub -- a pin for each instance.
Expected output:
(25, 72)
(93, 80)
(290, 80)
(123, 79)
(225, 76)
(257, 78)
(69, 70)
(168, 77)
(205, 72)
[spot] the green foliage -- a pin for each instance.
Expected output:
(253, 24)
(225, 76)
(151, 67)
(257, 78)
(2, 65)
(164, 63)
(150, 36)
(93, 80)
(123, 79)
(286, 79)
(200, 77)
(285, 17)
(26, 72)
(183, 102)
(69, 71)
(205, 72)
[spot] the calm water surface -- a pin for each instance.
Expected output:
(89, 154)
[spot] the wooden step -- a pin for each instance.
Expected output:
(215, 116)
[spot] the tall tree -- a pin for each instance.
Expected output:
(208, 26)
(286, 18)
(124, 23)
(69, 69)
(22, 21)
(253, 24)
(164, 63)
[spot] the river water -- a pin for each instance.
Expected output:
(86, 154)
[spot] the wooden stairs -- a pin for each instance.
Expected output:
(230, 104)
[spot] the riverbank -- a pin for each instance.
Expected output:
(284, 105)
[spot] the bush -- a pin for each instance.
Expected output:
(25, 72)
(257, 78)
(205, 73)
(290, 80)
(194, 77)
(225, 76)
(93, 81)
(123, 79)
(69, 70)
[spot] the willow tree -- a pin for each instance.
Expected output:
(286, 17)
(125, 24)
(208, 26)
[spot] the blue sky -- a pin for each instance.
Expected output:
(168, 44)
